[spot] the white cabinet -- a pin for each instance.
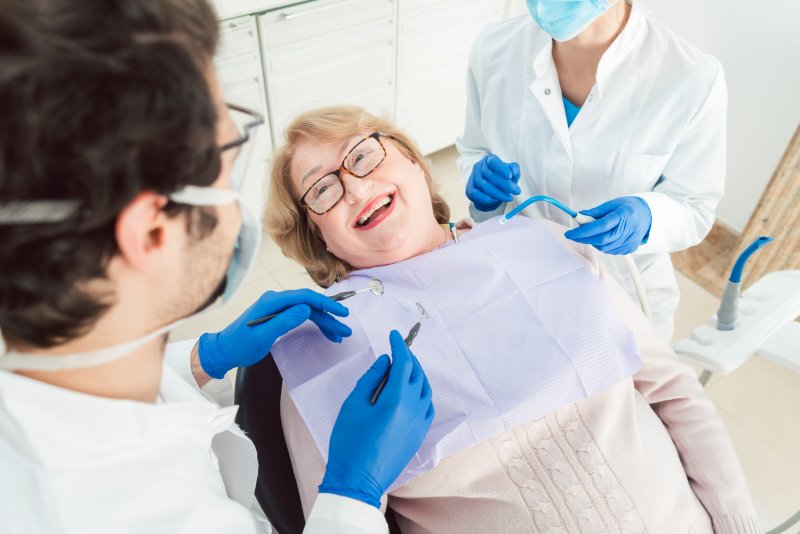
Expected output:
(434, 39)
(238, 63)
(329, 52)
(239, 68)
(403, 58)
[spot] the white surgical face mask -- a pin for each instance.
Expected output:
(247, 245)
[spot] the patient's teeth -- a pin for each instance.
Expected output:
(381, 203)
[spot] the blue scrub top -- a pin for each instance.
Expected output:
(571, 111)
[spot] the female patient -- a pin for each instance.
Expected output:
(647, 454)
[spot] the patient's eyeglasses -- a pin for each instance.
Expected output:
(362, 159)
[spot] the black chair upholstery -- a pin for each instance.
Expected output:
(258, 394)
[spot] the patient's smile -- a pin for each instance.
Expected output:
(376, 212)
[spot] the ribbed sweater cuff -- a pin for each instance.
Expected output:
(737, 524)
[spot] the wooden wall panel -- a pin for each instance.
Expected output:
(778, 216)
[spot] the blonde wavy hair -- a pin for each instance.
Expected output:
(288, 223)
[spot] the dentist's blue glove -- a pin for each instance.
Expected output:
(371, 444)
(239, 345)
(622, 225)
(492, 182)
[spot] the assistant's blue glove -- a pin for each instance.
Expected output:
(371, 444)
(622, 225)
(492, 182)
(239, 345)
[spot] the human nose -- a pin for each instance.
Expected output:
(356, 189)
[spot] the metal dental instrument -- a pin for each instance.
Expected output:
(409, 340)
(375, 287)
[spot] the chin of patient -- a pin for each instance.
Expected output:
(632, 446)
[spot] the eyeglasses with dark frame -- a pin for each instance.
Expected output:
(359, 161)
(257, 119)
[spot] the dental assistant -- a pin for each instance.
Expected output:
(593, 103)
(120, 216)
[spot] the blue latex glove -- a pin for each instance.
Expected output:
(239, 345)
(622, 225)
(492, 182)
(371, 444)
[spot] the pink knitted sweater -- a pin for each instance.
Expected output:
(648, 454)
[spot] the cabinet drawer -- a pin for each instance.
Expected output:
(421, 87)
(339, 46)
(378, 99)
(439, 44)
(232, 70)
(237, 37)
(444, 13)
(345, 75)
(306, 21)
(436, 125)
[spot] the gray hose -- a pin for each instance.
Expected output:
(728, 310)
(786, 525)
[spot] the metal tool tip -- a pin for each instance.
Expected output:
(376, 286)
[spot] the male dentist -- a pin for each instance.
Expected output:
(120, 169)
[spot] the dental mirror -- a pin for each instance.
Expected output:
(376, 286)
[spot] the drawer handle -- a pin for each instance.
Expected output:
(289, 16)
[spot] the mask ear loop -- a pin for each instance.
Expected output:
(193, 195)
(13, 360)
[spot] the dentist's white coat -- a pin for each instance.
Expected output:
(75, 463)
(652, 126)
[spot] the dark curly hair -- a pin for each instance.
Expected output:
(99, 101)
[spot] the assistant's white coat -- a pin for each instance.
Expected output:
(658, 109)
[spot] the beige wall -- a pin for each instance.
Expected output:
(759, 45)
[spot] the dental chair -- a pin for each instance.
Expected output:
(258, 394)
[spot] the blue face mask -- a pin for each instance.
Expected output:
(564, 19)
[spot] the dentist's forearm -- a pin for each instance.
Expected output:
(199, 374)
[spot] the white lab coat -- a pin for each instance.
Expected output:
(73, 463)
(652, 126)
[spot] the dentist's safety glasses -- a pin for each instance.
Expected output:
(247, 244)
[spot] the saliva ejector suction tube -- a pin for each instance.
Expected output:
(728, 311)
(582, 219)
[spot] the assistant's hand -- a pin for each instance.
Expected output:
(371, 444)
(241, 345)
(622, 225)
(492, 182)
